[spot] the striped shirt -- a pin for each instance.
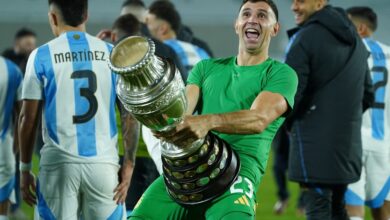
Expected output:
(70, 74)
(188, 53)
(376, 120)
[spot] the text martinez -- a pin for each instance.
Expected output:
(80, 56)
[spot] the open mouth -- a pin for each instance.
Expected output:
(252, 33)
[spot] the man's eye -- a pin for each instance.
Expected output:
(262, 15)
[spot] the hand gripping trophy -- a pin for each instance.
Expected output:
(151, 88)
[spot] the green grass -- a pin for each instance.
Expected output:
(266, 198)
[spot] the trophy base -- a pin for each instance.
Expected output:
(203, 175)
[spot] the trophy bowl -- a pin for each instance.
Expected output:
(151, 88)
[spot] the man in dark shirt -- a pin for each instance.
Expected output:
(334, 88)
(25, 42)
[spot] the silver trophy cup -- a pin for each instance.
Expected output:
(151, 88)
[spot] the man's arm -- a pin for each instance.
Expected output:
(28, 122)
(265, 109)
(130, 134)
(192, 95)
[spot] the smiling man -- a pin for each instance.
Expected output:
(245, 99)
(334, 89)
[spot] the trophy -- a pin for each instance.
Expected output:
(151, 88)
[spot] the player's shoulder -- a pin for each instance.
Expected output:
(97, 40)
(276, 64)
(10, 65)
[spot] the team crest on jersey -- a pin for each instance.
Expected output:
(76, 36)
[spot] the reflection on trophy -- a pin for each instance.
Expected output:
(151, 88)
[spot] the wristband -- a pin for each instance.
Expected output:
(25, 166)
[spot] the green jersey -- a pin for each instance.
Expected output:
(227, 87)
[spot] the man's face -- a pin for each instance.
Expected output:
(154, 25)
(255, 25)
(303, 9)
(26, 44)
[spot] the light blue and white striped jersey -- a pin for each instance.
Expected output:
(70, 74)
(376, 120)
(10, 92)
(188, 53)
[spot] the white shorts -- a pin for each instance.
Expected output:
(70, 191)
(154, 147)
(374, 183)
(7, 171)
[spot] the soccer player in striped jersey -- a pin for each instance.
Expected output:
(68, 81)
(374, 184)
(10, 97)
(163, 22)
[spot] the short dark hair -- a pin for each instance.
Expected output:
(271, 3)
(24, 32)
(138, 3)
(73, 12)
(127, 25)
(365, 13)
(166, 11)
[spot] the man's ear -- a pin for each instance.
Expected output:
(275, 29)
(53, 19)
(320, 4)
(163, 28)
(236, 27)
(362, 29)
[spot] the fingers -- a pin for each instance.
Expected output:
(121, 193)
(28, 195)
(27, 188)
(103, 34)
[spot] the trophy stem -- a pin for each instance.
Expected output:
(174, 152)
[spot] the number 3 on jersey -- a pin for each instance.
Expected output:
(88, 93)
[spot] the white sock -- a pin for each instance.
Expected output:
(355, 218)
(3, 217)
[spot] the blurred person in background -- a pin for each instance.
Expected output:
(10, 103)
(25, 41)
(333, 91)
(374, 183)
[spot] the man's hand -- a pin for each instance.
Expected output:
(104, 34)
(189, 130)
(125, 177)
(27, 187)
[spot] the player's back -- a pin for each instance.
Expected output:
(188, 53)
(376, 120)
(10, 81)
(79, 99)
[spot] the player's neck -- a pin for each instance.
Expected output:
(249, 59)
(67, 28)
(169, 35)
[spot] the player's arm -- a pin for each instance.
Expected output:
(267, 107)
(192, 95)
(28, 122)
(130, 134)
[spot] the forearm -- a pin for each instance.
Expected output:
(130, 133)
(27, 131)
(241, 122)
(28, 123)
